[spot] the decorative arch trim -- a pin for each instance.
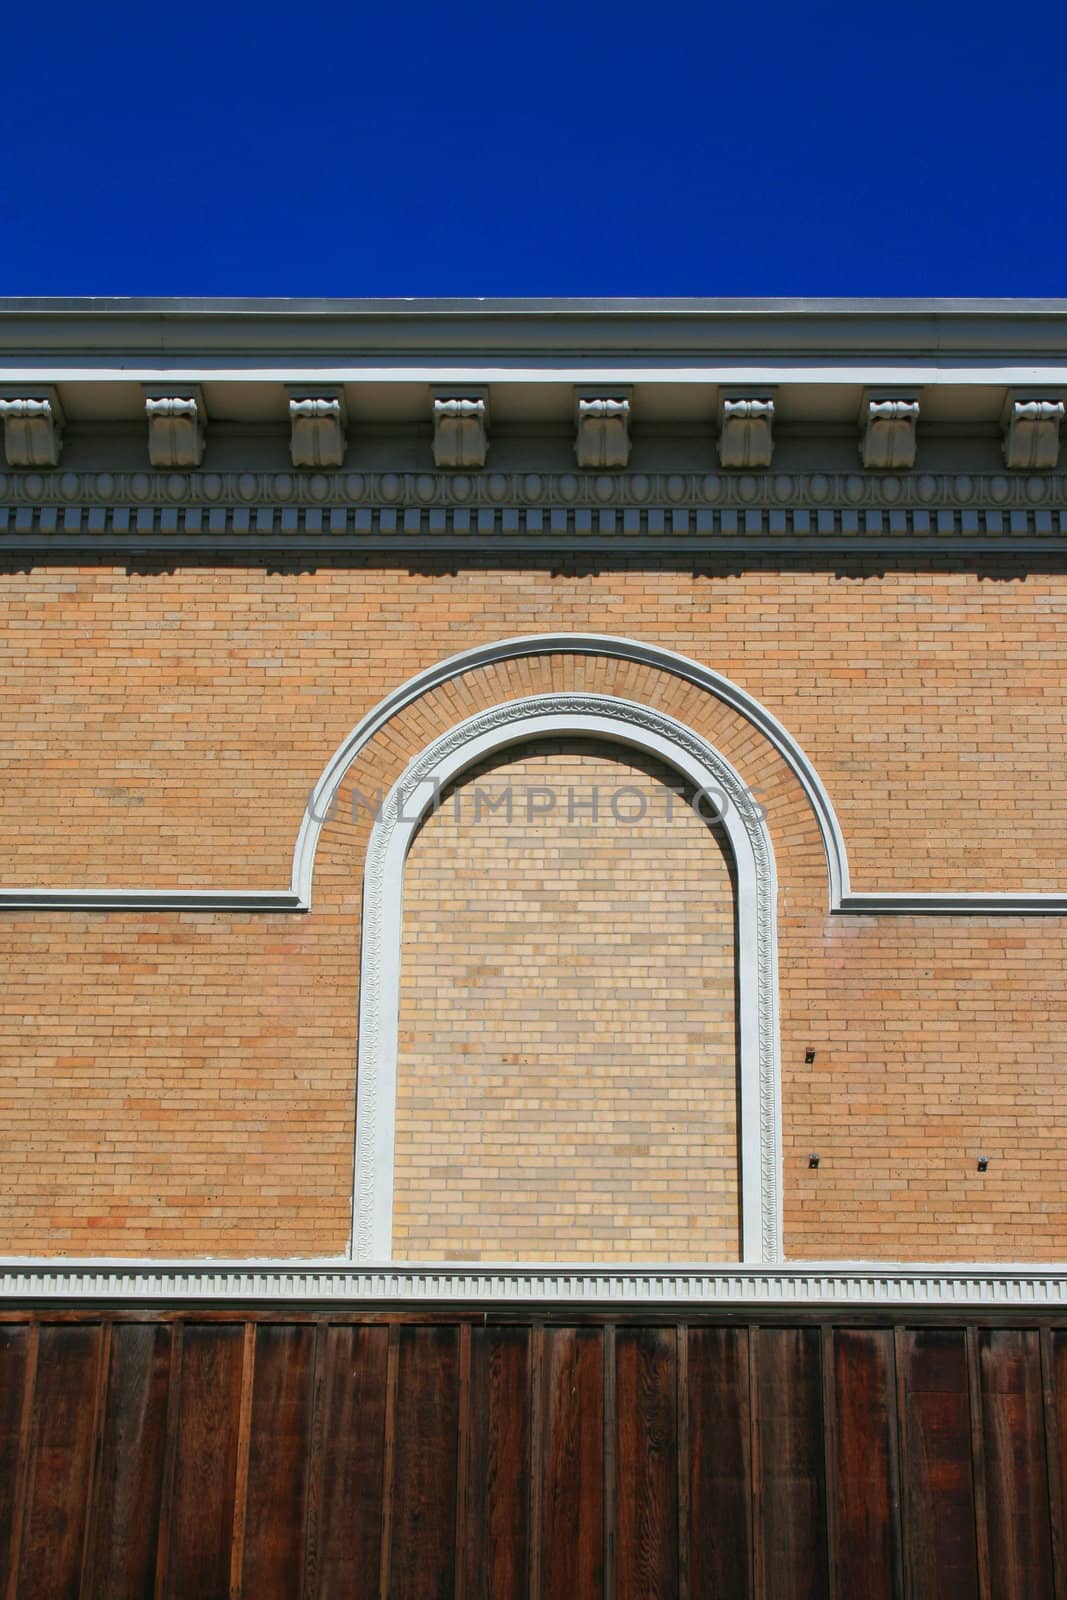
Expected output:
(620, 722)
(596, 644)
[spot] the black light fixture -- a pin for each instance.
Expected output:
(809, 1056)
(813, 1159)
(983, 1163)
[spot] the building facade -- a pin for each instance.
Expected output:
(533, 917)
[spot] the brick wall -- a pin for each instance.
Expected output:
(568, 1062)
(185, 1084)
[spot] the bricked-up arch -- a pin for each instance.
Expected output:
(621, 722)
(567, 1042)
(324, 796)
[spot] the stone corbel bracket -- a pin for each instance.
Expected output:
(460, 427)
(317, 421)
(746, 423)
(177, 424)
(33, 427)
(602, 433)
(888, 427)
(1032, 432)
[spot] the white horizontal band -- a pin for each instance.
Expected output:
(978, 904)
(150, 900)
(901, 903)
(815, 1284)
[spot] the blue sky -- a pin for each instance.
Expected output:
(471, 149)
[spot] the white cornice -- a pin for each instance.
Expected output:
(819, 1286)
(122, 336)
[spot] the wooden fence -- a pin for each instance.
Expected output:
(194, 1455)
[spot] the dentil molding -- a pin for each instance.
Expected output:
(821, 1286)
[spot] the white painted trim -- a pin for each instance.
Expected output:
(630, 367)
(894, 903)
(824, 1286)
(150, 900)
(1006, 903)
(621, 722)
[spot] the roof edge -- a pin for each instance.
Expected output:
(417, 306)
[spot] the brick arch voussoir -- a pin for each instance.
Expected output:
(791, 822)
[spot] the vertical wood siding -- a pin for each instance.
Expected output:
(181, 1455)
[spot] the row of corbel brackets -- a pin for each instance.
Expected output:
(177, 426)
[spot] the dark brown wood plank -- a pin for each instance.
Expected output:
(170, 1456)
(792, 1464)
(829, 1431)
(15, 1373)
(610, 1439)
(867, 1529)
(646, 1464)
(572, 1466)
(496, 1541)
(759, 1573)
(463, 1460)
(313, 1474)
(103, 1379)
(279, 1441)
(978, 1462)
(205, 1467)
(423, 1525)
(392, 1367)
(60, 1462)
(681, 1373)
(937, 1465)
(720, 1526)
(244, 1435)
(130, 1479)
(1020, 1535)
(535, 1467)
(349, 1518)
(1054, 1463)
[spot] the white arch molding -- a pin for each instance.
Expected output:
(620, 722)
(324, 796)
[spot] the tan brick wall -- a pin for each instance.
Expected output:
(174, 1085)
(159, 721)
(568, 1062)
(185, 1084)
